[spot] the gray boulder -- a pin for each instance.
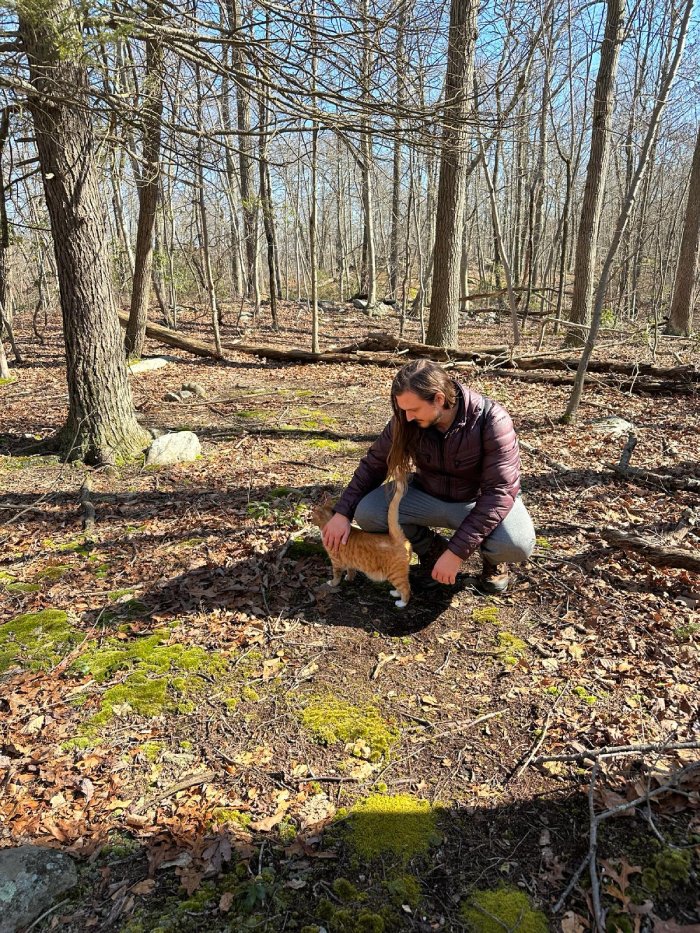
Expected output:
(32, 879)
(195, 388)
(178, 447)
(148, 364)
(614, 427)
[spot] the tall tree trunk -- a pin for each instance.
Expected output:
(203, 219)
(444, 305)
(587, 241)
(101, 425)
(667, 77)
(245, 153)
(681, 319)
(266, 192)
(369, 257)
(396, 161)
(147, 182)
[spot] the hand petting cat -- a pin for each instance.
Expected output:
(336, 532)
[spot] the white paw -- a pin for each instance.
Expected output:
(394, 592)
(400, 604)
(334, 583)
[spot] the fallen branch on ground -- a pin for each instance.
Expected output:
(653, 553)
(172, 338)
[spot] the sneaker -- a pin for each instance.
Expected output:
(494, 578)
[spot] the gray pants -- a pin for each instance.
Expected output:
(510, 542)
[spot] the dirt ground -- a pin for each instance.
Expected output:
(214, 777)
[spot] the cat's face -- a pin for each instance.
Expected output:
(322, 512)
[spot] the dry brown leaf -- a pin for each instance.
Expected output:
(226, 902)
(266, 824)
(144, 887)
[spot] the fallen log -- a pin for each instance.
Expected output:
(172, 338)
(655, 554)
(295, 355)
(499, 356)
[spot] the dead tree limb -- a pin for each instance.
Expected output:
(173, 339)
(655, 554)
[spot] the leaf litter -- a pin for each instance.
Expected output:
(592, 648)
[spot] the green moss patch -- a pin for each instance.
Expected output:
(7, 381)
(28, 463)
(330, 720)
(511, 646)
(485, 615)
(399, 825)
(38, 640)
(20, 589)
(671, 868)
(304, 548)
(164, 675)
(503, 909)
(53, 573)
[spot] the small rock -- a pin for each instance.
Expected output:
(148, 364)
(185, 393)
(195, 388)
(178, 447)
(615, 427)
(359, 303)
(171, 397)
(32, 879)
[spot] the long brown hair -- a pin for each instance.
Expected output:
(425, 379)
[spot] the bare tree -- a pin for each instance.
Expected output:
(101, 425)
(681, 317)
(444, 303)
(596, 173)
(148, 181)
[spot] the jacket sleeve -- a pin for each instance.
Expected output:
(370, 473)
(500, 483)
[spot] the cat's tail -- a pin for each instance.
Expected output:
(395, 531)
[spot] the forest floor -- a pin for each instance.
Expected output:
(225, 744)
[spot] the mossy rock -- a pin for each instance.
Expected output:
(401, 825)
(330, 719)
(503, 908)
(38, 640)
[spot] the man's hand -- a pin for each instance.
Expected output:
(336, 532)
(446, 567)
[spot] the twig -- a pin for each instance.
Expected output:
(87, 506)
(46, 913)
(607, 750)
(184, 784)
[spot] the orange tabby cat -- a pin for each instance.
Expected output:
(378, 556)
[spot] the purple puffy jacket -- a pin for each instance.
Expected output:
(477, 460)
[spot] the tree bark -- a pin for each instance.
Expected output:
(444, 304)
(245, 153)
(596, 173)
(101, 425)
(148, 183)
(681, 319)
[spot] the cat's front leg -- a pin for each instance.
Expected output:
(350, 574)
(337, 574)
